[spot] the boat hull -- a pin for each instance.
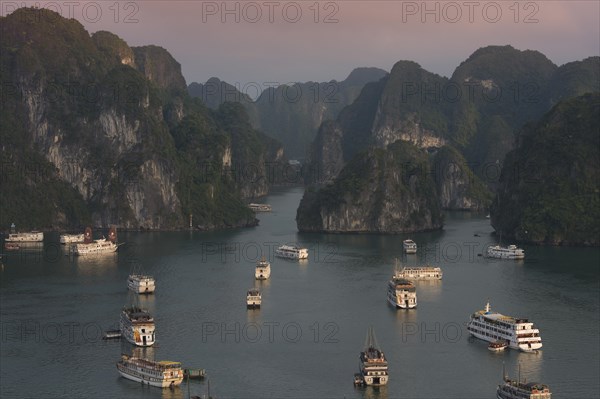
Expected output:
(262, 275)
(505, 256)
(395, 304)
(139, 288)
(142, 290)
(290, 256)
(524, 347)
(375, 381)
(25, 237)
(152, 381)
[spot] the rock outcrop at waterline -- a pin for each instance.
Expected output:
(380, 191)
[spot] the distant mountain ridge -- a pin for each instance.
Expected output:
(290, 113)
(489, 96)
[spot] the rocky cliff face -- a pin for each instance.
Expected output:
(380, 191)
(502, 88)
(409, 108)
(125, 147)
(395, 108)
(549, 187)
(458, 188)
(337, 142)
(159, 67)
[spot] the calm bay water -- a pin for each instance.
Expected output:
(305, 340)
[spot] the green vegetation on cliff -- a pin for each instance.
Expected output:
(112, 135)
(458, 188)
(381, 190)
(549, 189)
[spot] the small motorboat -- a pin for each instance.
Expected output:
(194, 373)
(498, 346)
(358, 380)
(112, 334)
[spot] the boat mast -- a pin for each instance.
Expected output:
(188, 384)
(371, 340)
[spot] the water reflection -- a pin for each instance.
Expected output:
(175, 393)
(31, 246)
(404, 316)
(147, 302)
(253, 316)
(262, 285)
(371, 392)
(92, 265)
(144, 352)
(531, 364)
(428, 290)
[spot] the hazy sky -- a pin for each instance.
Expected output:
(283, 41)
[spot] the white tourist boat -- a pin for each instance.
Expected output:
(260, 207)
(71, 238)
(253, 298)
(410, 247)
(32, 236)
(419, 273)
(141, 283)
(401, 293)
(262, 270)
(89, 246)
(510, 252)
(162, 374)
(373, 366)
(291, 252)
(511, 389)
(491, 326)
(137, 326)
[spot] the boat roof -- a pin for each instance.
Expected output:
(141, 276)
(510, 247)
(402, 281)
(536, 385)
(138, 314)
(262, 262)
(292, 247)
(163, 364)
(527, 386)
(500, 317)
(420, 268)
(169, 363)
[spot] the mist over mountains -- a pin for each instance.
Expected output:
(290, 113)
